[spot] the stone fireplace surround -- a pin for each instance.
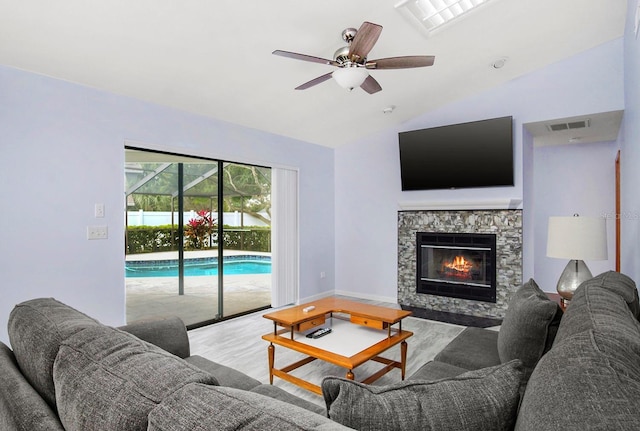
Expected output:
(506, 224)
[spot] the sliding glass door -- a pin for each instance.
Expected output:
(247, 237)
(198, 237)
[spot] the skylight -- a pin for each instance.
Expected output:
(432, 14)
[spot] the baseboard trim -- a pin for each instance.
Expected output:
(389, 299)
(378, 298)
(315, 297)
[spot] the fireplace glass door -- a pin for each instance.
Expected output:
(457, 265)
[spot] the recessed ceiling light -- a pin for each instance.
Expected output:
(499, 63)
(432, 14)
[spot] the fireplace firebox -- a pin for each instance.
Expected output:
(457, 265)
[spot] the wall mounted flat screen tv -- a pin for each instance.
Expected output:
(467, 155)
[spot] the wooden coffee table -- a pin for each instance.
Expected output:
(360, 333)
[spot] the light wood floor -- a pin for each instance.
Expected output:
(237, 343)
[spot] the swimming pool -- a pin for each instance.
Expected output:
(233, 265)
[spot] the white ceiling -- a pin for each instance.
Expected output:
(214, 57)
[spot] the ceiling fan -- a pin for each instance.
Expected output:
(352, 63)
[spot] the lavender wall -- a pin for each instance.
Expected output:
(630, 150)
(570, 179)
(368, 176)
(62, 151)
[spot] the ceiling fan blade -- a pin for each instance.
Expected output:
(304, 57)
(365, 38)
(370, 85)
(401, 62)
(315, 81)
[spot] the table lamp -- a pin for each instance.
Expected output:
(577, 239)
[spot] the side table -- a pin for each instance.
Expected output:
(564, 303)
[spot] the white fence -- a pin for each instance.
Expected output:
(160, 218)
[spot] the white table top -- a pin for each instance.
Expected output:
(346, 338)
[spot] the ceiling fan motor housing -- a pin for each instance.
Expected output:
(342, 55)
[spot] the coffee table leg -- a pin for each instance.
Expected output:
(350, 375)
(403, 357)
(272, 352)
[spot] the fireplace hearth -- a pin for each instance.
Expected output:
(456, 265)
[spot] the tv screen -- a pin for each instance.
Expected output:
(467, 155)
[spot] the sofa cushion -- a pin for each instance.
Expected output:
(485, 399)
(108, 379)
(590, 381)
(472, 349)
(21, 407)
(36, 329)
(620, 284)
(605, 304)
(602, 314)
(529, 327)
(201, 407)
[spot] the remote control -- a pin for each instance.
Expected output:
(321, 332)
(309, 308)
(312, 333)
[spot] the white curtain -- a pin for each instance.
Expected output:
(284, 237)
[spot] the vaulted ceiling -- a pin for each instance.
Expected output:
(213, 58)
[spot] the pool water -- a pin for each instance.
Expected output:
(199, 267)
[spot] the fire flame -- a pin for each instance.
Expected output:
(459, 264)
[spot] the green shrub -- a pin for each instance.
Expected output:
(254, 239)
(151, 239)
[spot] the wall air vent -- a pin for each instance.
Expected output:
(571, 125)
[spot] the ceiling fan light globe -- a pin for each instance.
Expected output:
(350, 77)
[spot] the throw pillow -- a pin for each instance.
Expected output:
(529, 326)
(477, 400)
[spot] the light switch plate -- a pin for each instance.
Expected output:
(97, 232)
(99, 210)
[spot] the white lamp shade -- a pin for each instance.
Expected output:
(579, 238)
(350, 77)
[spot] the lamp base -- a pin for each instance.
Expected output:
(573, 275)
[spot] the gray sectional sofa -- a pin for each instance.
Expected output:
(67, 371)
(542, 370)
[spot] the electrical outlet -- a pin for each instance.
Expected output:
(323, 274)
(97, 232)
(99, 210)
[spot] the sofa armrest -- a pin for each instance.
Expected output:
(226, 376)
(168, 333)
